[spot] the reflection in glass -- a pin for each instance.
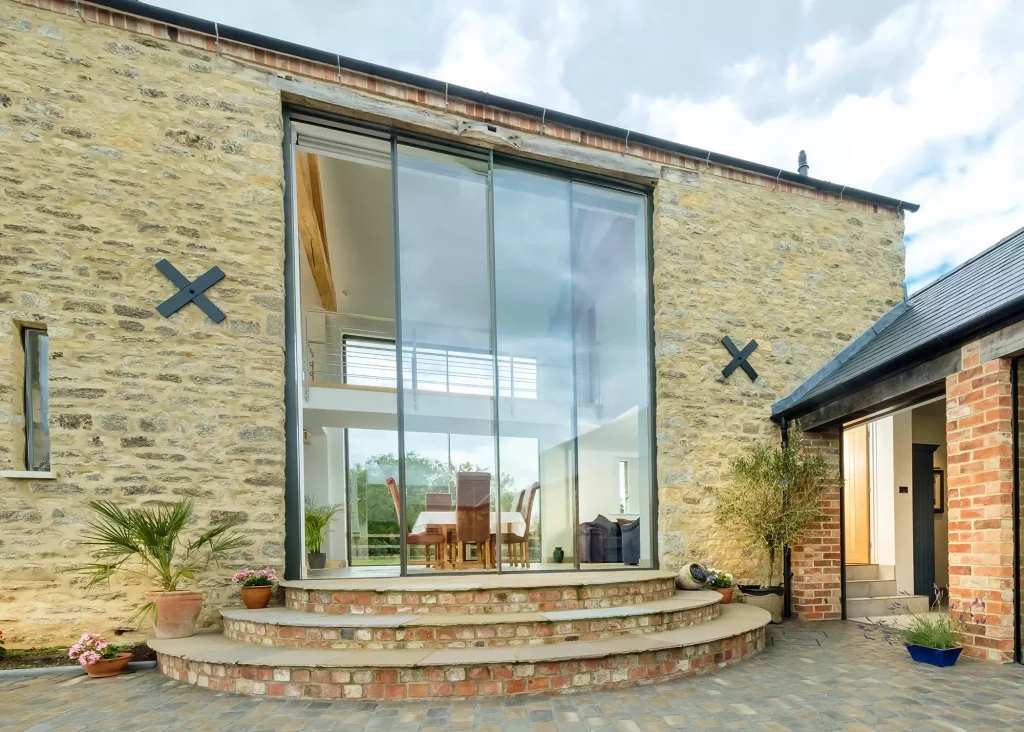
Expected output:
(448, 365)
(37, 404)
(533, 286)
(610, 335)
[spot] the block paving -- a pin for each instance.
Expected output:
(818, 677)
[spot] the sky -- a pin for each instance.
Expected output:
(920, 101)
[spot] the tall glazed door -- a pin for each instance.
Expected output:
(856, 498)
(449, 469)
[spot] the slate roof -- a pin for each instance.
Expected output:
(934, 320)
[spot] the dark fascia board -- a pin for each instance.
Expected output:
(786, 403)
(1010, 312)
(227, 32)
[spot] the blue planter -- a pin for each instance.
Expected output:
(934, 656)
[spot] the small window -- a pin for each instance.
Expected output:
(623, 486)
(37, 399)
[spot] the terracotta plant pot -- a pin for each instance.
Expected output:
(726, 593)
(257, 597)
(176, 612)
(108, 666)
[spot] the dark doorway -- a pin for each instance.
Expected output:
(924, 520)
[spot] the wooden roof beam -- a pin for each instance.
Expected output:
(312, 227)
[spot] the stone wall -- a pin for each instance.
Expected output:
(979, 456)
(801, 277)
(118, 151)
(129, 141)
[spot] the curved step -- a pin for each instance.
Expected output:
(227, 665)
(487, 594)
(297, 629)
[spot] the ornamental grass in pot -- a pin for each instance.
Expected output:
(151, 542)
(773, 495)
(933, 637)
(257, 586)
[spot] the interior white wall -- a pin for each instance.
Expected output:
(336, 479)
(903, 522)
(324, 482)
(556, 508)
(930, 430)
(883, 492)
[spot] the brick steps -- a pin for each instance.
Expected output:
(484, 594)
(297, 629)
(224, 664)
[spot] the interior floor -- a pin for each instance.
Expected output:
(393, 570)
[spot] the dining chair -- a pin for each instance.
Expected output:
(519, 546)
(432, 537)
(439, 501)
(442, 502)
(473, 516)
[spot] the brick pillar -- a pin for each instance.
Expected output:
(979, 455)
(815, 562)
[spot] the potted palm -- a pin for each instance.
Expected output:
(317, 519)
(154, 538)
(773, 495)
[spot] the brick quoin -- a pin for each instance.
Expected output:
(816, 589)
(979, 449)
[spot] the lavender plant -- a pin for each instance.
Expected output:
(940, 630)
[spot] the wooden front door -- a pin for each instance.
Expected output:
(856, 498)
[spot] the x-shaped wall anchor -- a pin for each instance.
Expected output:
(190, 291)
(739, 358)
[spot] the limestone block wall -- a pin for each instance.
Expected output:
(119, 150)
(801, 277)
(127, 141)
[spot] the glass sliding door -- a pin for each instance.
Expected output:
(533, 282)
(449, 466)
(612, 361)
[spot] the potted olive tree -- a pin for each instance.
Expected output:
(773, 495)
(154, 539)
(317, 519)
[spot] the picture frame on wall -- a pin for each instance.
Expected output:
(939, 490)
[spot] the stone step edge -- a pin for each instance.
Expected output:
(213, 648)
(285, 616)
(511, 581)
(890, 597)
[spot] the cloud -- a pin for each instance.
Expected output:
(950, 137)
(516, 50)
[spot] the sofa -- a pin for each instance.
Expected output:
(604, 541)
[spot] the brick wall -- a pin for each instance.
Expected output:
(979, 449)
(815, 561)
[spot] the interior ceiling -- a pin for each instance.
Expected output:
(936, 409)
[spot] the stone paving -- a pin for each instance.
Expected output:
(811, 676)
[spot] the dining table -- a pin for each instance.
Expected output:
(512, 522)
